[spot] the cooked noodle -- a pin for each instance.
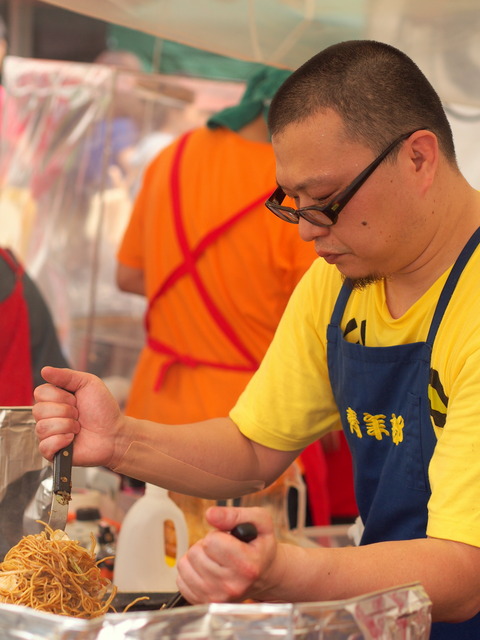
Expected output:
(49, 572)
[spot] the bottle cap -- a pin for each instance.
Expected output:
(105, 534)
(88, 513)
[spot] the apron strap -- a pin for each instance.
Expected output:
(191, 256)
(341, 303)
(15, 266)
(16, 376)
(451, 283)
(174, 357)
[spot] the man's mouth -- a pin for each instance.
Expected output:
(331, 258)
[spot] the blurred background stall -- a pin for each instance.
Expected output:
(78, 127)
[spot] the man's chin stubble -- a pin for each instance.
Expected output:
(362, 283)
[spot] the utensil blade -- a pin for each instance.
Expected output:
(62, 488)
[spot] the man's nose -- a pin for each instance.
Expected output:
(309, 231)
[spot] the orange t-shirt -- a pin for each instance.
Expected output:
(248, 273)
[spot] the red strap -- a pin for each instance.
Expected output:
(188, 266)
(16, 379)
(197, 251)
(189, 361)
(15, 266)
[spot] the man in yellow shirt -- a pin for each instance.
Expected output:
(382, 336)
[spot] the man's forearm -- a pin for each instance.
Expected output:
(130, 280)
(218, 462)
(447, 570)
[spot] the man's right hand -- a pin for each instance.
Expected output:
(77, 405)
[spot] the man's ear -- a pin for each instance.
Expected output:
(424, 150)
(424, 155)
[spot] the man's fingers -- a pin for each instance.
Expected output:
(203, 577)
(56, 425)
(65, 378)
(52, 394)
(49, 447)
(226, 518)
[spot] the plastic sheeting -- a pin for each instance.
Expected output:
(401, 613)
(440, 35)
(74, 140)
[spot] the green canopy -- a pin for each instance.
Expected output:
(164, 56)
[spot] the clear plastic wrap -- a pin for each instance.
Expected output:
(75, 139)
(402, 613)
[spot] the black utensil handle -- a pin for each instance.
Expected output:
(62, 470)
(245, 531)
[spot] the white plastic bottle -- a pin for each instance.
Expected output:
(140, 561)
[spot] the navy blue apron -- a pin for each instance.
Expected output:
(382, 397)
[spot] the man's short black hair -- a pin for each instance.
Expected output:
(377, 90)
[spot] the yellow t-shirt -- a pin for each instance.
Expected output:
(289, 402)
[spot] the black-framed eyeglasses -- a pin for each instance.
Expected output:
(327, 215)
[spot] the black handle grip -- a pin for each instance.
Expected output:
(62, 470)
(245, 531)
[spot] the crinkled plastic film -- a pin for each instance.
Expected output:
(23, 473)
(402, 613)
(395, 614)
(75, 140)
(57, 149)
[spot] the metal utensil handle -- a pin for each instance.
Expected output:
(62, 470)
(245, 531)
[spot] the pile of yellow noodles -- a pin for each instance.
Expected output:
(49, 572)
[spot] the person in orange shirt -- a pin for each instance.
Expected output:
(216, 269)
